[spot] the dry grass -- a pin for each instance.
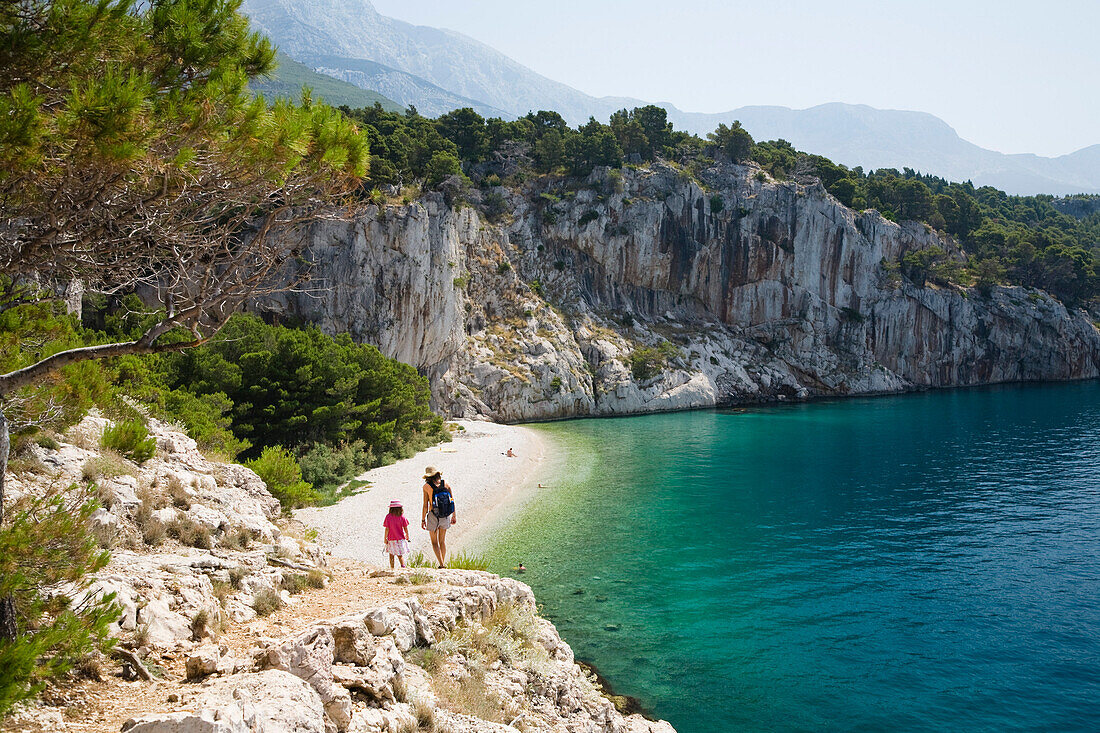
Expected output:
(236, 575)
(200, 625)
(177, 493)
(426, 658)
(191, 533)
(222, 591)
(316, 578)
(508, 635)
(267, 602)
(108, 464)
(471, 696)
(27, 463)
(236, 538)
(424, 713)
(294, 583)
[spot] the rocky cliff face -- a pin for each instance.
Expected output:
(653, 290)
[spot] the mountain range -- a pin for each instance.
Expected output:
(438, 70)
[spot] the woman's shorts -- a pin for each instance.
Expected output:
(435, 522)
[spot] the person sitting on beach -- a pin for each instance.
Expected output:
(438, 513)
(510, 454)
(396, 535)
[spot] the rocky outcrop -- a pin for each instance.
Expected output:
(483, 649)
(444, 650)
(651, 289)
(193, 541)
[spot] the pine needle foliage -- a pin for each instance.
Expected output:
(45, 554)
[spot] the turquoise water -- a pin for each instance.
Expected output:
(924, 562)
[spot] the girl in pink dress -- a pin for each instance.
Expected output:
(397, 533)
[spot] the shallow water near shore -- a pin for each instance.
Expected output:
(922, 562)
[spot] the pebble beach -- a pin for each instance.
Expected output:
(488, 487)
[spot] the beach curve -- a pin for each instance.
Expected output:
(488, 487)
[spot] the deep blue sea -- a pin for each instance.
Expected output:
(927, 562)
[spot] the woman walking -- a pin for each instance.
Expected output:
(438, 513)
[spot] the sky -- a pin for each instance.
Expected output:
(1009, 75)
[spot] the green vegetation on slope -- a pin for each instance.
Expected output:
(338, 407)
(287, 80)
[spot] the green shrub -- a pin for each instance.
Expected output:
(327, 467)
(283, 476)
(503, 267)
(494, 206)
(45, 547)
(419, 578)
(296, 387)
(645, 363)
(590, 215)
(419, 560)
(131, 439)
(205, 417)
(716, 204)
(47, 441)
(465, 561)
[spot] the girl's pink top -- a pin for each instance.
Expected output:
(395, 527)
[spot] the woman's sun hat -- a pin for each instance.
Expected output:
(395, 504)
(431, 471)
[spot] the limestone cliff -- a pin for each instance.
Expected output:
(652, 289)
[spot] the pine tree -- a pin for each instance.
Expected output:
(132, 155)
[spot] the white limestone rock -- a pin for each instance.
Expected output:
(259, 702)
(310, 656)
(203, 661)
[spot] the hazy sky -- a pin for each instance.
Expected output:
(1011, 75)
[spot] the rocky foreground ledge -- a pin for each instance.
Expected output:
(469, 644)
(234, 620)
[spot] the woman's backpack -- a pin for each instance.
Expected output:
(443, 504)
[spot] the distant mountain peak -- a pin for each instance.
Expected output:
(438, 70)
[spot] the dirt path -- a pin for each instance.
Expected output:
(104, 706)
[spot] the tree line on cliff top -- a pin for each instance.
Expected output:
(1006, 239)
